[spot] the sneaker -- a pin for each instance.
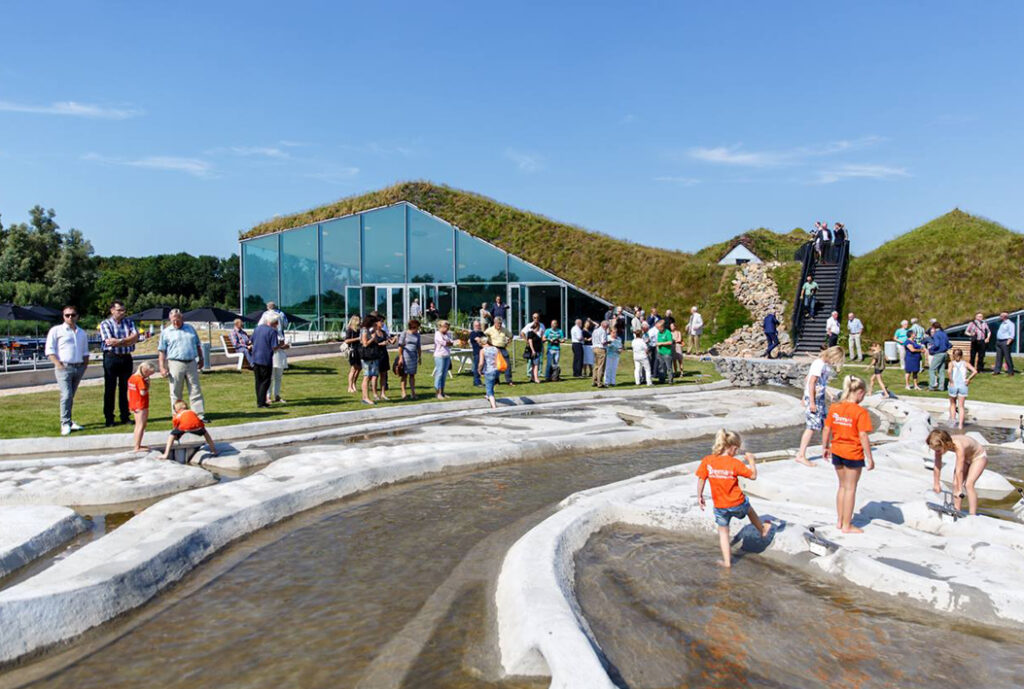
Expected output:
(65, 429)
(75, 427)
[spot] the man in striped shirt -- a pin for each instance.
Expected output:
(118, 337)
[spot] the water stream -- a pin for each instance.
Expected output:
(390, 589)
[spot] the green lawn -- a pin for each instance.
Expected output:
(310, 387)
(985, 387)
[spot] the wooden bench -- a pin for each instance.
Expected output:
(230, 352)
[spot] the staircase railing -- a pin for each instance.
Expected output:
(805, 254)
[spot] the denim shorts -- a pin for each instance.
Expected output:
(371, 368)
(724, 514)
(957, 390)
(838, 461)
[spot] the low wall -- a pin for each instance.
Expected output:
(44, 375)
(746, 372)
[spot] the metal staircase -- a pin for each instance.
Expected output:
(809, 330)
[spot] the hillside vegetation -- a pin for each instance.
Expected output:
(603, 265)
(949, 269)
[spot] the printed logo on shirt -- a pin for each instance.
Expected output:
(842, 420)
(720, 473)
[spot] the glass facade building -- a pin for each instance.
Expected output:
(389, 258)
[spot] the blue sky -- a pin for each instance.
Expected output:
(157, 127)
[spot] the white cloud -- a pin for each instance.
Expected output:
(73, 109)
(268, 151)
(736, 155)
(335, 174)
(376, 148)
(526, 162)
(681, 181)
(860, 171)
(287, 143)
(628, 118)
(192, 166)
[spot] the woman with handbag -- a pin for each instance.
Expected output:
(534, 346)
(369, 352)
(410, 350)
(350, 348)
(491, 363)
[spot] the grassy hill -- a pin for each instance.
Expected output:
(603, 265)
(948, 269)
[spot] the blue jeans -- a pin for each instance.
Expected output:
(441, 366)
(508, 360)
(490, 380)
(476, 366)
(937, 370)
(68, 379)
(553, 355)
(811, 304)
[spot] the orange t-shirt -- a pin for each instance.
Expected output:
(847, 420)
(186, 420)
(721, 471)
(138, 392)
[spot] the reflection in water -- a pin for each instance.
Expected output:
(667, 616)
(316, 606)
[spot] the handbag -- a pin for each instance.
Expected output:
(345, 349)
(500, 363)
(398, 367)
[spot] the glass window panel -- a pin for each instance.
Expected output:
(339, 268)
(369, 299)
(547, 301)
(471, 297)
(583, 307)
(430, 249)
(521, 271)
(478, 260)
(444, 301)
(259, 284)
(298, 272)
(384, 245)
(353, 307)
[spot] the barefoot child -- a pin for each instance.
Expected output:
(971, 460)
(138, 400)
(845, 442)
(878, 368)
(959, 380)
(721, 469)
(828, 363)
(186, 421)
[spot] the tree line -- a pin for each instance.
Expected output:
(43, 266)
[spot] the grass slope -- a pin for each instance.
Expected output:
(600, 264)
(948, 269)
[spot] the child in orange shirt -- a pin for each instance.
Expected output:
(138, 400)
(845, 441)
(186, 421)
(722, 469)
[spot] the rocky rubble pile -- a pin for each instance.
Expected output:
(748, 372)
(757, 291)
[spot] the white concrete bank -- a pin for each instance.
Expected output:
(157, 547)
(970, 567)
(30, 532)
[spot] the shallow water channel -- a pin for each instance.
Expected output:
(390, 589)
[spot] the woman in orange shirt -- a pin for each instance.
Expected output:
(845, 441)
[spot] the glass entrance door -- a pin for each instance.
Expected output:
(390, 304)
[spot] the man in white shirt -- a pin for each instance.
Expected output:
(67, 346)
(855, 328)
(598, 340)
(280, 357)
(832, 329)
(694, 329)
(576, 337)
(1005, 336)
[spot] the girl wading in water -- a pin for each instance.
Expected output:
(971, 460)
(845, 441)
(823, 368)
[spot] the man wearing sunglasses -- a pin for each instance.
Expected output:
(67, 346)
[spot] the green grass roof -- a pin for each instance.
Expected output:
(949, 269)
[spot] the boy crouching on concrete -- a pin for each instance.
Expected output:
(722, 469)
(186, 421)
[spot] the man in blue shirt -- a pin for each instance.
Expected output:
(553, 336)
(1004, 338)
(181, 357)
(476, 338)
(938, 348)
(771, 331)
(265, 341)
